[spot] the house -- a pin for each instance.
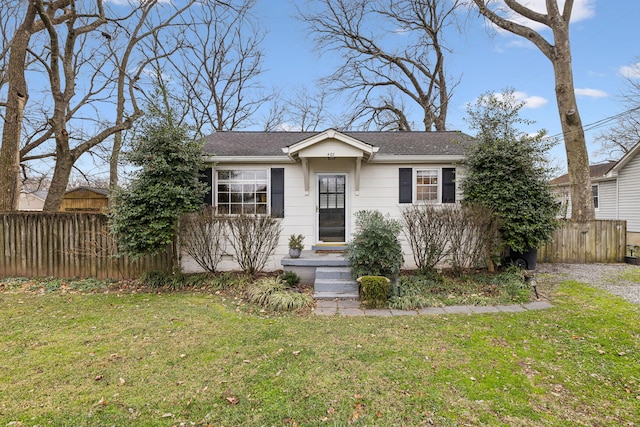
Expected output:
(85, 199)
(316, 181)
(31, 200)
(616, 192)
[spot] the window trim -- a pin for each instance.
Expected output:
(437, 185)
(595, 196)
(216, 182)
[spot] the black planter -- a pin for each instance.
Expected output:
(526, 260)
(632, 260)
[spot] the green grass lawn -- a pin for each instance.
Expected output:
(197, 358)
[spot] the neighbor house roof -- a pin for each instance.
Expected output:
(252, 144)
(595, 171)
(97, 190)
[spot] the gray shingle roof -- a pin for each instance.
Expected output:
(390, 143)
(595, 171)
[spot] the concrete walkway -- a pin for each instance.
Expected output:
(352, 308)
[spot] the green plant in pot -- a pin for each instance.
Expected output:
(296, 244)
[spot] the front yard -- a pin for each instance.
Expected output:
(201, 358)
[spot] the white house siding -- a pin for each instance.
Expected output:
(629, 194)
(606, 200)
(378, 191)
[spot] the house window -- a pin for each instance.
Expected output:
(242, 191)
(594, 191)
(427, 185)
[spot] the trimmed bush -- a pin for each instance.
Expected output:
(375, 249)
(291, 278)
(253, 239)
(203, 237)
(374, 291)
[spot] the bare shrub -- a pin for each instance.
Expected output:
(203, 237)
(473, 239)
(253, 238)
(428, 229)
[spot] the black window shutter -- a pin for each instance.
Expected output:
(206, 177)
(406, 185)
(277, 192)
(448, 185)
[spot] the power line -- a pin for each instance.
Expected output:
(599, 123)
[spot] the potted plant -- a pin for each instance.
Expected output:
(296, 245)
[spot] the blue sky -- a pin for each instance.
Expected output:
(604, 39)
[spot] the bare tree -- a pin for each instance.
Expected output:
(307, 111)
(558, 51)
(92, 60)
(625, 133)
(219, 65)
(147, 26)
(380, 70)
(14, 71)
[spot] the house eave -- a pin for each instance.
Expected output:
(248, 159)
(414, 158)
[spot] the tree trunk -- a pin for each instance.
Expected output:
(61, 173)
(17, 97)
(582, 208)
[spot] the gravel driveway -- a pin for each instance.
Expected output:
(603, 276)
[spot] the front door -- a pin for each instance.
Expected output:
(331, 208)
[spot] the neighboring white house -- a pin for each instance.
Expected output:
(316, 181)
(31, 201)
(616, 192)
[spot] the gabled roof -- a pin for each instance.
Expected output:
(635, 150)
(97, 190)
(595, 171)
(40, 194)
(268, 144)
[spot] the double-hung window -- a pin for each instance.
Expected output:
(242, 191)
(427, 185)
(594, 192)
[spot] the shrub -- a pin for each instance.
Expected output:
(253, 239)
(154, 279)
(473, 238)
(275, 295)
(507, 172)
(291, 278)
(374, 291)
(203, 237)
(374, 249)
(228, 280)
(428, 229)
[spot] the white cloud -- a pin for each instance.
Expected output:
(630, 71)
(591, 93)
(530, 101)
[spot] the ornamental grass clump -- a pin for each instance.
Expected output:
(275, 295)
(375, 249)
(374, 291)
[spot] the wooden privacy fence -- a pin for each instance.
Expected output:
(67, 245)
(586, 242)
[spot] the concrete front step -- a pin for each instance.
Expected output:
(333, 273)
(332, 285)
(335, 295)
